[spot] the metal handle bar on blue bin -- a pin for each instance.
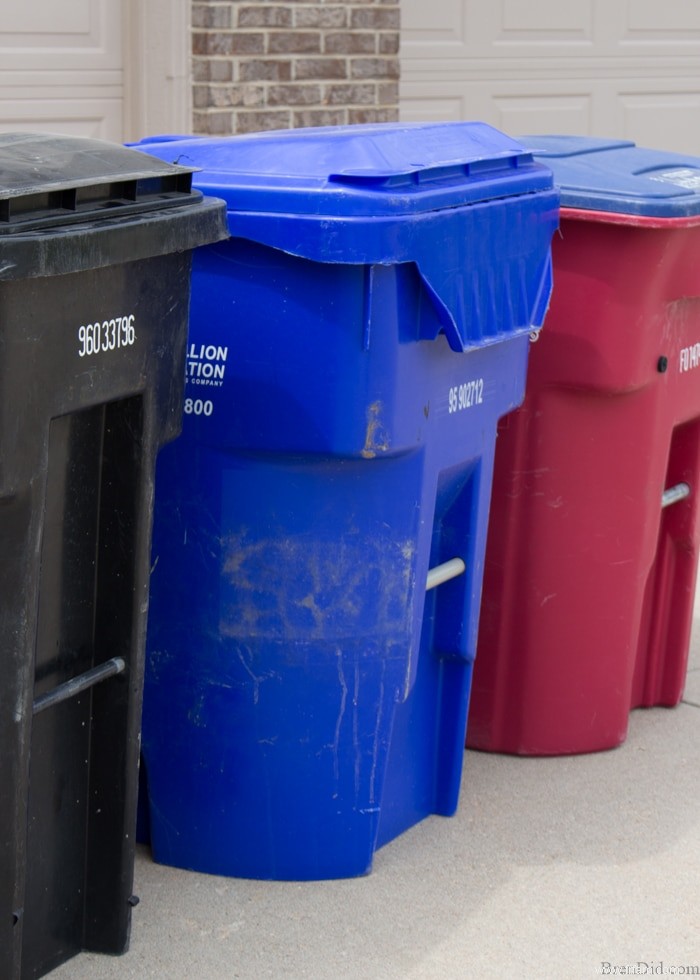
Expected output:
(443, 573)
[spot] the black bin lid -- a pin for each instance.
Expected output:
(46, 180)
(80, 189)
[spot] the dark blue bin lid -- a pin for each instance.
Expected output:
(619, 176)
(374, 170)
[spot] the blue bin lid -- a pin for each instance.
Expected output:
(388, 193)
(373, 170)
(619, 176)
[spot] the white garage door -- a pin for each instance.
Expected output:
(112, 69)
(62, 67)
(623, 68)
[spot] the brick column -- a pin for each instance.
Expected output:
(261, 64)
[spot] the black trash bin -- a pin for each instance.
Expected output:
(95, 252)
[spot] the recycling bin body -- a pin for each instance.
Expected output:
(95, 254)
(351, 349)
(592, 552)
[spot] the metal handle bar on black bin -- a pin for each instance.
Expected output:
(76, 685)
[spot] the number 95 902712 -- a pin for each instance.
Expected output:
(466, 395)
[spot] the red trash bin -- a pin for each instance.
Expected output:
(593, 534)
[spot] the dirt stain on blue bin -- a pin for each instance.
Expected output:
(376, 436)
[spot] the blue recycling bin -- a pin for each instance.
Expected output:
(352, 347)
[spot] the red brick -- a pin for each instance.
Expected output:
(207, 15)
(231, 43)
(201, 69)
(200, 43)
(352, 93)
(212, 70)
(323, 17)
(293, 42)
(220, 70)
(268, 69)
(280, 95)
(389, 42)
(237, 95)
(307, 68)
(375, 19)
(264, 16)
(214, 123)
(200, 96)
(254, 122)
(348, 42)
(320, 117)
(388, 93)
(372, 115)
(374, 68)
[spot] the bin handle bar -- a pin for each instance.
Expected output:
(674, 494)
(76, 685)
(443, 573)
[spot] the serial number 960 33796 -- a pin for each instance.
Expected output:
(106, 335)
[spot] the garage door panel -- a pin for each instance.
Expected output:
(482, 30)
(591, 67)
(439, 22)
(528, 113)
(488, 30)
(66, 17)
(517, 108)
(117, 69)
(70, 35)
(62, 67)
(98, 118)
(661, 116)
(426, 104)
(36, 84)
(669, 19)
(662, 119)
(542, 20)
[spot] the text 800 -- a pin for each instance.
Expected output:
(196, 406)
(466, 395)
(112, 334)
